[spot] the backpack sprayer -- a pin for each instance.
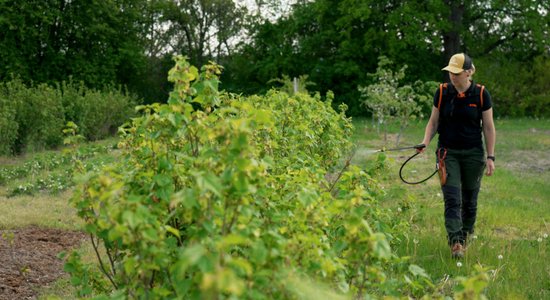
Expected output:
(440, 166)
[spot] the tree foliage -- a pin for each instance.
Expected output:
(201, 29)
(97, 42)
(337, 43)
(518, 89)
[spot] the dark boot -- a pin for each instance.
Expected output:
(457, 250)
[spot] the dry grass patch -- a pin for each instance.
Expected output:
(43, 210)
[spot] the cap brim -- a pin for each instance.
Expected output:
(452, 69)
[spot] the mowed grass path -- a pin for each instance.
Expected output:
(511, 239)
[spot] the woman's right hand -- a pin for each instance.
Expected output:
(420, 147)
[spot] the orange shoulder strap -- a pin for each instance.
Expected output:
(481, 96)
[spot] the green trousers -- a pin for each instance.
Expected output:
(464, 172)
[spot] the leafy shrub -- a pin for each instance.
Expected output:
(231, 200)
(32, 118)
(38, 113)
(42, 118)
(8, 123)
(98, 114)
(72, 97)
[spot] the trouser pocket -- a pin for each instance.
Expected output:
(472, 166)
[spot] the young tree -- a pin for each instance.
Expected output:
(391, 102)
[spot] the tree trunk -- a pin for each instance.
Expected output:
(451, 38)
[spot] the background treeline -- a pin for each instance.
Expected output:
(33, 117)
(337, 43)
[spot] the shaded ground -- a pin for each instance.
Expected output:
(28, 259)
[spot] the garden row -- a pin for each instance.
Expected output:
(52, 171)
(33, 117)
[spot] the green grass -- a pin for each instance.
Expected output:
(59, 289)
(513, 212)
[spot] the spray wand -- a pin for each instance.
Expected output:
(417, 147)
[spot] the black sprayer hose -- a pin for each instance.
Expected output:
(403, 165)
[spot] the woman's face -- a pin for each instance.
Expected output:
(459, 79)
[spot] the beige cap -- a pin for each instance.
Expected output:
(458, 63)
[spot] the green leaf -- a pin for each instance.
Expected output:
(263, 116)
(185, 197)
(164, 192)
(75, 281)
(242, 264)
(165, 164)
(199, 99)
(130, 219)
(211, 85)
(306, 197)
(130, 265)
(189, 256)
(150, 234)
(209, 226)
(232, 240)
(380, 246)
(192, 73)
(259, 253)
(162, 179)
(418, 271)
(199, 87)
(210, 182)
(172, 230)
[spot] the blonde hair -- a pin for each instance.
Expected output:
(472, 70)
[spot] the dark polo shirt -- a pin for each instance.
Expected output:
(460, 116)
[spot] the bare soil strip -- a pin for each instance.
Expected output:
(28, 259)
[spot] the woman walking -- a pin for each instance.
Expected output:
(462, 111)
